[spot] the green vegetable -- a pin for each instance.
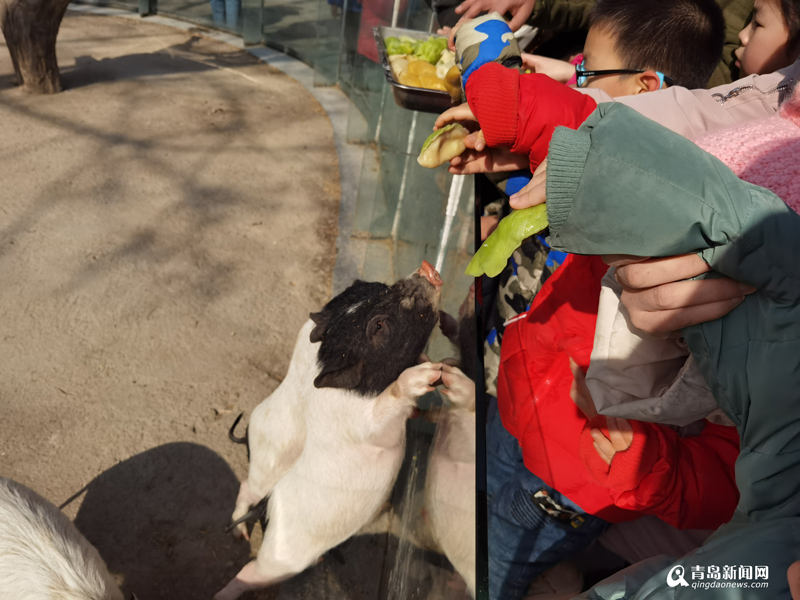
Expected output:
(401, 45)
(495, 251)
(429, 140)
(431, 50)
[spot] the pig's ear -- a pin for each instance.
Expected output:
(346, 378)
(321, 322)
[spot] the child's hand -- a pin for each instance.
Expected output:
(579, 392)
(451, 35)
(459, 113)
(535, 192)
(619, 430)
(620, 438)
(487, 160)
(560, 70)
(475, 141)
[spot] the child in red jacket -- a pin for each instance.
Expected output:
(686, 477)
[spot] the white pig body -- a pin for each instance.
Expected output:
(43, 556)
(327, 445)
(450, 479)
(450, 491)
(277, 431)
(341, 480)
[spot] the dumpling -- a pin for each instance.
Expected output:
(442, 145)
(399, 64)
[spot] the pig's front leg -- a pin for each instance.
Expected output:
(244, 502)
(415, 381)
(398, 399)
(458, 388)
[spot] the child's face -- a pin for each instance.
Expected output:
(599, 53)
(764, 41)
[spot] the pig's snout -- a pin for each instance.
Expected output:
(427, 271)
(425, 282)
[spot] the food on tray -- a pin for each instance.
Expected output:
(442, 145)
(399, 64)
(431, 50)
(446, 62)
(423, 64)
(452, 83)
(495, 251)
(401, 45)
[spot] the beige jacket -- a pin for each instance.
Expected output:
(692, 113)
(632, 374)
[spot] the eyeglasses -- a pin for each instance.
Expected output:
(581, 74)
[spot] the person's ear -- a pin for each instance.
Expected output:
(648, 81)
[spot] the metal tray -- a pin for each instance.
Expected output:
(412, 98)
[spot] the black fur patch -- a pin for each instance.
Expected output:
(371, 333)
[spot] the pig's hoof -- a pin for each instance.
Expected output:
(256, 513)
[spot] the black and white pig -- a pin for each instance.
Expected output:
(450, 478)
(327, 445)
(43, 556)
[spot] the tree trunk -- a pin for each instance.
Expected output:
(30, 28)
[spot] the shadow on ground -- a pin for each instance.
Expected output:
(159, 517)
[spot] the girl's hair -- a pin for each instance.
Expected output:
(790, 10)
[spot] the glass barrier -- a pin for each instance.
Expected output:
(218, 13)
(404, 214)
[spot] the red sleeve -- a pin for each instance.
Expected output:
(688, 482)
(522, 111)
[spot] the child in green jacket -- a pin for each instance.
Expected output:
(680, 199)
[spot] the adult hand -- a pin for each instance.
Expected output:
(620, 438)
(535, 192)
(520, 10)
(660, 300)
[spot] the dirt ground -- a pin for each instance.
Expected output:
(166, 225)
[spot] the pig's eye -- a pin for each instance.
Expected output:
(378, 326)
